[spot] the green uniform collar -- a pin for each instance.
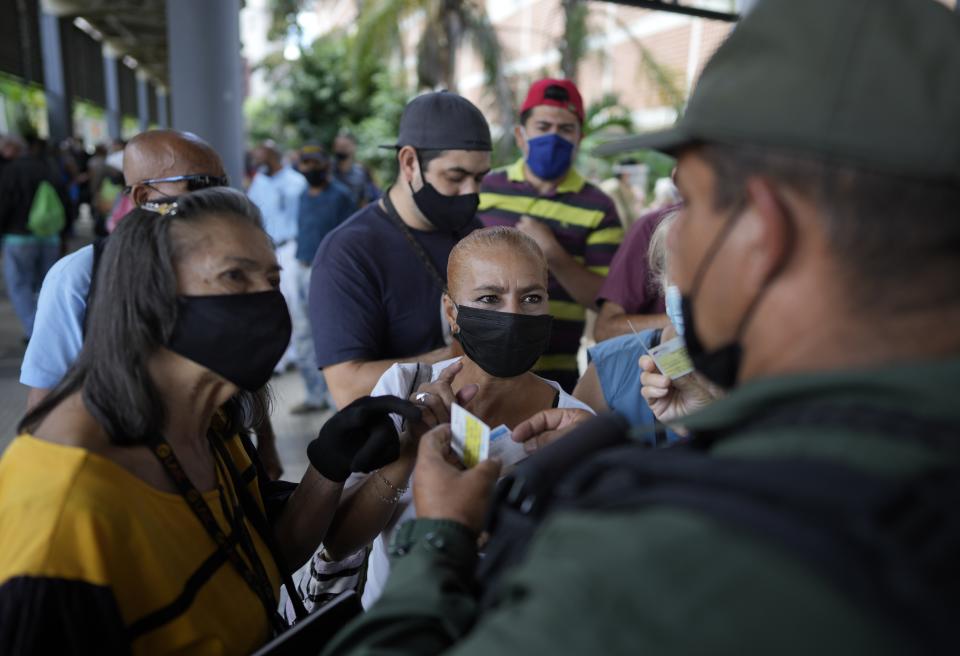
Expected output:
(926, 389)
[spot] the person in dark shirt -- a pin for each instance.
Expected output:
(377, 279)
(26, 256)
(629, 299)
(324, 205)
(349, 172)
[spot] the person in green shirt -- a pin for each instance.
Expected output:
(817, 254)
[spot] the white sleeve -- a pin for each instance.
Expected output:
(568, 401)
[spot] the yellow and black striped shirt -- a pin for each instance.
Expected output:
(95, 560)
(585, 221)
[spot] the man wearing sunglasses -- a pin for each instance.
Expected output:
(158, 165)
(193, 182)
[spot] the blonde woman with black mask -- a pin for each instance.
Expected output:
(496, 304)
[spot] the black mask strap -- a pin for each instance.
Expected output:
(712, 251)
(414, 244)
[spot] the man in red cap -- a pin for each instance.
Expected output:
(574, 222)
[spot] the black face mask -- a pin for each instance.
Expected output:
(239, 336)
(316, 177)
(720, 366)
(502, 343)
(446, 213)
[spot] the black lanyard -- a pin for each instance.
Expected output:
(258, 581)
(417, 246)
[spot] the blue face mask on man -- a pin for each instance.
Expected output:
(549, 156)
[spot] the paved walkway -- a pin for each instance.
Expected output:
(13, 395)
(293, 432)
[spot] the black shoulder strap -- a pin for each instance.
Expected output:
(98, 245)
(258, 518)
(417, 247)
(892, 545)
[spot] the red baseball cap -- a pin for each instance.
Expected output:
(536, 96)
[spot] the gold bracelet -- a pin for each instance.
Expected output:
(398, 492)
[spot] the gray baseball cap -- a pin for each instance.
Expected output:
(869, 83)
(442, 120)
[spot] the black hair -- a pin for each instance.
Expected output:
(896, 238)
(553, 92)
(133, 314)
(426, 156)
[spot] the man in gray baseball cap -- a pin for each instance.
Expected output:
(378, 278)
(818, 258)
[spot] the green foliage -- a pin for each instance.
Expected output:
(283, 16)
(573, 46)
(449, 25)
(607, 120)
(483, 36)
(25, 105)
(377, 37)
(311, 97)
(317, 96)
(379, 127)
(601, 119)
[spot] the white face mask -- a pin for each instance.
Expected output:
(674, 308)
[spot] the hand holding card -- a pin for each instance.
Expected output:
(473, 441)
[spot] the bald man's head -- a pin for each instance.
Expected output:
(166, 154)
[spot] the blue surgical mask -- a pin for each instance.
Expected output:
(549, 156)
(675, 308)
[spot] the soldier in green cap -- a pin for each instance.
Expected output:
(818, 254)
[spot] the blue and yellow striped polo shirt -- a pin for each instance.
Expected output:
(584, 220)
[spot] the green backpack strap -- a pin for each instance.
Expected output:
(47, 216)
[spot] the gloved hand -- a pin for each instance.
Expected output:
(360, 438)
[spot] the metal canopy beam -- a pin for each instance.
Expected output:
(676, 7)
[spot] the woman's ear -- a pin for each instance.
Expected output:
(450, 312)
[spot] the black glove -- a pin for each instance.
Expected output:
(360, 438)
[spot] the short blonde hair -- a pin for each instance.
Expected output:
(495, 237)
(657, 253)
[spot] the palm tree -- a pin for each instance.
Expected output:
(664, 80)
(573, 46)
(449, 25)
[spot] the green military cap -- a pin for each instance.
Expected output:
(870, 83)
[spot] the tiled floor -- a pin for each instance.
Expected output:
(294, 432)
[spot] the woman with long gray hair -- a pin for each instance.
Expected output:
(134, 514)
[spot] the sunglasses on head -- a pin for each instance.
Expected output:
(195, 181)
